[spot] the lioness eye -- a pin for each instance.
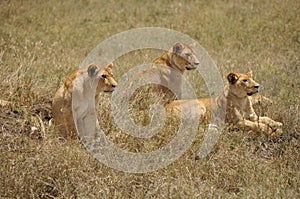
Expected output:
(245, 80)
(188, 54)
(104, 76)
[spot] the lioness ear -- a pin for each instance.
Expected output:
(232, 78)
(92, 70)
(177, 48)
(249, 73)
(110, 65)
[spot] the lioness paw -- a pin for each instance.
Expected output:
(279, 124)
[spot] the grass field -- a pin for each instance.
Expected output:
(41, 42)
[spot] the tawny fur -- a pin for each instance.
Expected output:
(171, 66)
(85, 84)
(233, 105)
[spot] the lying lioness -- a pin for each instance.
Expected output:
(235, 102)
(86, 84)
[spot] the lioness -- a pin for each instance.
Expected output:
(85, 84)
(168, 70)
(235, 102)
(172, 65)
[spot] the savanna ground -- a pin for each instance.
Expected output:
(43, 41)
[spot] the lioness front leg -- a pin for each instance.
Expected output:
(89, 124)
(269, 121)
(266, 120)
(257, 125)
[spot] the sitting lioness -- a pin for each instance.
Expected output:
(172, 65)
(86, 84)
(232, 105)
(169, 68)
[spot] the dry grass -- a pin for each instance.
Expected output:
(42, 42)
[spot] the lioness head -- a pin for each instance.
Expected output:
(106, 81)
(242, 85)
(184, 57)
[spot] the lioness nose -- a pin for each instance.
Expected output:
(257, 86)
(114, 85)
(196, 63)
